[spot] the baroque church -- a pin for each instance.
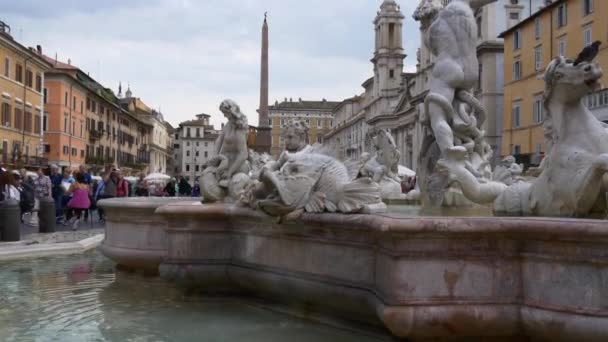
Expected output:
(391, 98)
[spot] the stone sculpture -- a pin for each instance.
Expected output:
(383, 167)
(508, 171)
(571, 179)
(454, 115)
(307, 181)
(226, 174)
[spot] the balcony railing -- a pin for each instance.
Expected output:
(95, 135)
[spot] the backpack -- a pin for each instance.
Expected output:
(27, 197)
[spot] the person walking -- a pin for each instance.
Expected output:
(57, 191)
(110, 185)
(122, 187)
(43, 188)
(80, 200)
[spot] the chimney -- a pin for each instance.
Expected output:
(285, 100)
(69, 61)
(299, 99)
(290, 99)
(39, 49)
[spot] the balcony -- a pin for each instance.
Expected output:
(95, 135)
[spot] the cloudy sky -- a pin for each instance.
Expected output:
(186, 56)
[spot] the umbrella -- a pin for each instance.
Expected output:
(96, 178)
(157, 176)
(405, 172)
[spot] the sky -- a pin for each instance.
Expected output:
(185, 56)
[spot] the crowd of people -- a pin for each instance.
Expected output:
(76, 192)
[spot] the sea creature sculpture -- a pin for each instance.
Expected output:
(571, 179)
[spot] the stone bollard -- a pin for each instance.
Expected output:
(10, 220)
(46, 215)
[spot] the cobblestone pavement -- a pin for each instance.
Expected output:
(27, 229)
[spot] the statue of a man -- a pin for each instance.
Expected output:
(452, 39)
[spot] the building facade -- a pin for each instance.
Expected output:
(159, 144)
(194, 145)
(317, 115)
(562, 28)
(21, 102)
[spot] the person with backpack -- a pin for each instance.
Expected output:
(27, 198)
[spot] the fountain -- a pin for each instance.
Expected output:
(306, 230)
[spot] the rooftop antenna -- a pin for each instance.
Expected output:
(55, 58)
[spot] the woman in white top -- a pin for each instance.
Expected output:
(9, 186)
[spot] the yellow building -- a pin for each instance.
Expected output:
(317, 115)
(564, 28)
(21, 81)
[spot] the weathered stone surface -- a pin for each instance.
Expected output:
(420, 277)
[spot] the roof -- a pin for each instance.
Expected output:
(305, 105)
(31, 51)
(531, 17)
(59, 65)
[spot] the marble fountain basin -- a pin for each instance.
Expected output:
(417, 277)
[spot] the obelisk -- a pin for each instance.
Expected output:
(263, 140)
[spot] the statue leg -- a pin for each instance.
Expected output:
(438, 107)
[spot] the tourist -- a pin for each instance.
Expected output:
(196, 191)
(42, 189)
(57, 191)
(141, 187)
(80, 201)
(170, 188)
(184, 187)
(9, 187)
(110, 184)
(87, 175)
(27, 200)
(122, 187)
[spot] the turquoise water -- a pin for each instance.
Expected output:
(83, 298)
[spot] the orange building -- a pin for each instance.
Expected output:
(65, 97)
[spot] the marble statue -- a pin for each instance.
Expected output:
(306, 179)
(226, 174)
(571, 180)
(312, 182)
(383, 167)
(454, 115)
(508, 171)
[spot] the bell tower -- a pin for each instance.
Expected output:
(388, 54)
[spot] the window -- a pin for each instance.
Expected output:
(206, 144)
(45, 95)
(29, 78)
(587, 36)
(479, 30)
(188, 132)
(196, 154)
(27, 127)
(82, 106)
(517, 40)
(562, 15)
(45, 122)
(81, 128)
(516, 150)
(187, 153)
(18, 73)
(537, 111)
(81, 153)
(18, 118)
(391, 34)
(538, 58)
(73, 127)
(187, 167)
(6, 115)
(7, 66)
(74, 151)
(319, 123)
(561, 47)
(65, 124)
(269, 122)
(38, 82)
(66, 150)
(197, 168)
(37, 124)
(516, 116)
(198, 132)
(206, 154)
(537, 28)
(516, 70)
(65, 100)
(74, 103)
(391, 73)
(514, 15)
(587, 7)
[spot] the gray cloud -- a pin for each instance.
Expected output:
(185, 56)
